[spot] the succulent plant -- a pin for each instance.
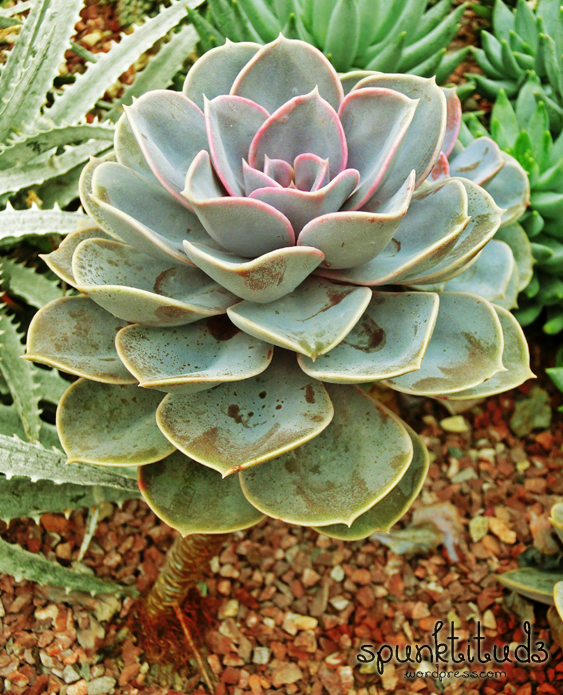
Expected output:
(525, 48)
(523, 131)
(247, 232)
(390, 35)
(540, 576)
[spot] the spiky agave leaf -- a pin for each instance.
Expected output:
(402, 35)
(251, 243)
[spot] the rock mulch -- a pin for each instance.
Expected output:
(290, 607)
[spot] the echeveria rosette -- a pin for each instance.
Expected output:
(250, 229)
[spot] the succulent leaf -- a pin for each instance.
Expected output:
(187, 495)
(342, 472)
(390, 339)
(305, 320)
(515, 358)
(78, 336)
(391, 508)
(472, 332)
(191, 358)
(235, 426)
(110, 425)
(262, 280)
(140, 289)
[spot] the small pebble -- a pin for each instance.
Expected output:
(337, 573)
(261, 655)
(101, 686)
(455, 423)
(478, 528)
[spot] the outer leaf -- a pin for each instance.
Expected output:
(391, 508)
(77, 336)
(239, 424)
(34, 567)
(355, 462)
(20, 377)
(19, 497)
(34, 62)
(110, 425)
(515, 357)
(37, 463)
(20, 224)
(77, 99)
(187, 496)
(192, 358)
(465, 349)
(515, 236)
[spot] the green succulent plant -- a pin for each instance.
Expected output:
(542, 580)
(523, 131)
(390, 35)
(525, 47)
(241, 280)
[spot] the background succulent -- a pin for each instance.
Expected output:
(523, 131)
(266, 220)
(391, 35)
(524, 48)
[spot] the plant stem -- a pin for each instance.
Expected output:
(182, 570)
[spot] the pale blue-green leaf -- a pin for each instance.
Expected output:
(238, 425)
(35, 567)
(214, 73)
(133, 209)
(354, 463)
(303, 207)
(390, 339)
(76, 335)
(420, 147)
(20, 376)
(434, 221)
(311, 320)
(510, 189)
(187, 496)
(303, 124)
(193, 358)
(465, 349)
(290, 68)
(352, 238)
(485, 220)
(170, 131)
(391, 508)
(110, 425)
(232, 123)
(350, 79)
(515, 236)
(515, 358)
(243, 226)
(141, 289)
(489, 276)
(375, 122)
(78, 98)
(60, 261)
(479, 161)
(262, 280)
